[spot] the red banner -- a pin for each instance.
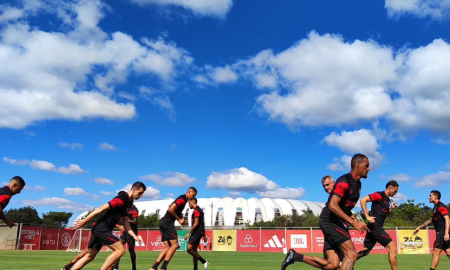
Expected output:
(248, 240)
(357, 239)
(30, 237)
(154, 241)
(299, 240)
(317, 242)
(431, 238)
(65, 236)
(273, 241)
(49, 239)
(208, 246)
(143, 236)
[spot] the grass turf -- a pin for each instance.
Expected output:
(48, 260)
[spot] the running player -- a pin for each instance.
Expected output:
(127, 238)
(168, 230)
(15, 186)
(379, 211)
(111, 213)
(335, 218)
(196, 233)
(441, 223)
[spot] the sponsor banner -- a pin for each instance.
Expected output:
(154, 241)
(224, 240)
(317, 244)
(143, 236)
(181, 241)
(65, 235)
(49, 239)
(248, 240)
(432, 238)
(273, 241)
(30, 237)
(357, 239)
(206, 245)
(299, 240)
(410, 244)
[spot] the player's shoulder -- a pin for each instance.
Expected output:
(344, 178)
(199, 209)
(5, 190)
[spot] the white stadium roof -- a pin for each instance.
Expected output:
(233, 212)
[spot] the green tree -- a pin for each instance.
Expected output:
(61, 219)
(25, 214)
(149, 221)
(306, 219)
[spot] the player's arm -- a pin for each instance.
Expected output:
(134, 215)
(5, 219)
(334, 207)
(394, 205)
(447, 228)
(80, 223)
(364, 201)
(426, 223)
(173, 207)
(126, 224)
(196, 224)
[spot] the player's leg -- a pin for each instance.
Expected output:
(192, 250)
(349, 252)
(78, 257)
(332, 261)
(131, 246)
(369, 243)
(435, 260)
(87, 258)
(117, 251)
(122, 240)
(169, 254)
(162, 254)
(392, 253)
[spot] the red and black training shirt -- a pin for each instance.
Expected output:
(134, 213)
(181, 203)
(439, 211)
(198, 213)
(380, 207)
(118, 207)
(5, 196)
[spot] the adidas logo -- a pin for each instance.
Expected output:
(274, 243)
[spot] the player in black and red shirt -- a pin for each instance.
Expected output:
(441, 222)
(15, 186)
(196, 233)
(126, 238)
(110, 213)
(168, 230)
(335, 218)
(381, 207)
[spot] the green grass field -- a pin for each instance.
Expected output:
(48, 260)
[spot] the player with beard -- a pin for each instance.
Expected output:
(15, 186)
(196, 233)
(335, 218)
(441, 222)
(380, 209)
(110, 213)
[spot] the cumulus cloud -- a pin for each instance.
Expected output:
(160, 99)
(46, 166)
(216, 75)
(60, 203)
(234, 194)
(212, 8)
(436, 9)
(442, 141)
(283, 193)
(80, 192)
(170, 179)
(72, 146)
(107, 193)
(35, 188)
(150, 194)
(352, 142)
(433, 180)
(37, 68)
(400, 197)
(240, 179)
(103, 181)
(399, 177)
(107, 147)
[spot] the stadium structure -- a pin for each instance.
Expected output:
(230, 212)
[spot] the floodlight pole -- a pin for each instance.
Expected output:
(211, 215)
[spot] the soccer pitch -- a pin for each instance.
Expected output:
(48, 260)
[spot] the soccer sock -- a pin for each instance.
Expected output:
(432, 268)
(195, 266)
(155, 265)
(165, 263)
(201, 259)
(298, 257)
(67, 267)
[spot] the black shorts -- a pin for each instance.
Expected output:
(335, 233)
(376, 234)
(440, 243)
(101, 237)
(195, 238)
(128, 239)
(168, 230)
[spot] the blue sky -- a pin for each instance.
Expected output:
(251, 98)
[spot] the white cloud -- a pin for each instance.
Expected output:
(36, 188)
(399, 177)
(283, 193)
(37, 68)
(170, 179)
(107, 147)
(158, 99)
(339, 164)
(240, 179)
(400, 197)
(80, 192)
(352, 142)
(436, 9)
(46, 166)
(103, 181)
(106, 193)
(442, 141)
(213, 8)
(216, 75)
(433, 180)
(234, 194)
(150, 194)
(60, 203)
(72, 146)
